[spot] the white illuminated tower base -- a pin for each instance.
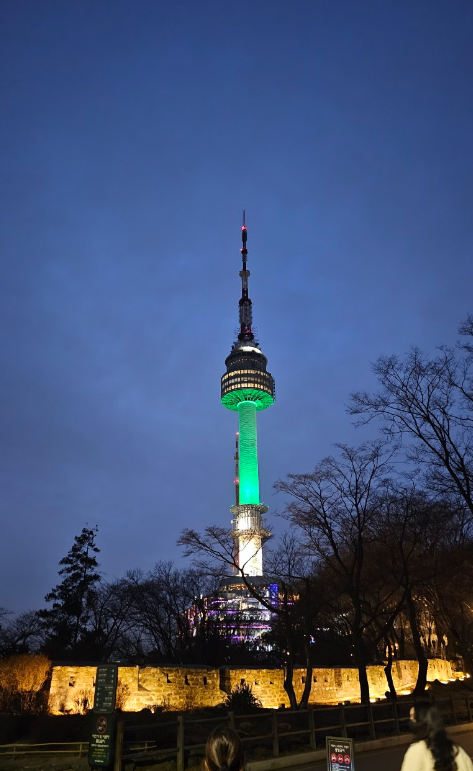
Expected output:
(249, 534)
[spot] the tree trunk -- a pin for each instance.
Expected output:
(289, 673)
(364, 685)
(419, 690)
(388, 670)
(360, 655)
(288, 681)
(304, 702)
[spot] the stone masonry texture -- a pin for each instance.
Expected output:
(184, 688)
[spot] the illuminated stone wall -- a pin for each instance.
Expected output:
(176, 688)
(330, 685)
(182, 688)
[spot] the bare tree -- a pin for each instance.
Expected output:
(414, 528)
(429, 403)
(20, 634)
(466, 330)
(337, 507)
(302, 598)
(159, 625)
(448, 594)
(111, 620)
(297, 606)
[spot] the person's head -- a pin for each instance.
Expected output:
(426, 720)
(224, 751)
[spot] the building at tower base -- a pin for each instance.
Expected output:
(245, 618)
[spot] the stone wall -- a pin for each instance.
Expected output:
(176, 688)
(330, 685)
(182, 688)
(266, 684)
(179, 687)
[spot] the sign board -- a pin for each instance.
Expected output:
(105, 689)
(340, 754)
(101, 740)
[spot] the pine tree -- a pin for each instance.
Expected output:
(67, 623)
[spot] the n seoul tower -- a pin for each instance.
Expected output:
(247, 388)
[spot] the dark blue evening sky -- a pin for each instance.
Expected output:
(133, 134)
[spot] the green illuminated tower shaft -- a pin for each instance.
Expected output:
(248, 478)
(247, 388)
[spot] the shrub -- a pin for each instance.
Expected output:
(21, 679)
(242, 700)
(83, 702)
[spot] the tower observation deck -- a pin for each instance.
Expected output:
(246, 388)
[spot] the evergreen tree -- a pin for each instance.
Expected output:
(67, 622)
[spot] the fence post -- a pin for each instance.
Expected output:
(231, 720)
(180, 743)
(313, 743)
(468, 707)
(119, 746)
(343, 723)
(396, 718)
(274, 731)
(80, 749)
(371, 721)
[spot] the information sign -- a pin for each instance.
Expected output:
(340, 754)
(101, 740)
(105, 689)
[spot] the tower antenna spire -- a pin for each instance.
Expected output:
(245, 307)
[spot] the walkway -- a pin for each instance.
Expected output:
(387, 758)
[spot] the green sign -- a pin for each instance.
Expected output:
(101, 740)
(105, 689)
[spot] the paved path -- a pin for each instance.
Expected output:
(389, 758)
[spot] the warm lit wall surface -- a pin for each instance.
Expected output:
(183, 688)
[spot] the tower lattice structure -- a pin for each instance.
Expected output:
(247, 387)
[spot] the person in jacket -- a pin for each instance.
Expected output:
(432, 749)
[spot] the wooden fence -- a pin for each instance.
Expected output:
(265, 734)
